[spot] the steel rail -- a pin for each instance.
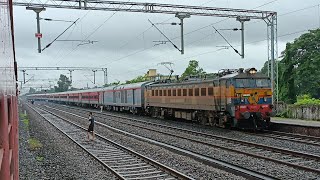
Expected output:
(310, 140)
(202, 158)
(273, 149)
(166, 169)
(307, 155)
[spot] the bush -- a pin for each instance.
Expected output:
(307, 100)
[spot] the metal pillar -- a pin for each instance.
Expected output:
(71, 75)
(94, 76)
(272, 56)
(37, 11)
(38, 31)
(242, 20)
(105, 71)
(24, 76)
(181, 16)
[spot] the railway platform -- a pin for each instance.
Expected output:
(299, 126)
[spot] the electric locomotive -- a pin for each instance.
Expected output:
(235, 98)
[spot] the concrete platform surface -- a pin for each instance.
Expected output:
(299, 122)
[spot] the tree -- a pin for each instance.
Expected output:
(112, 84)
(193, 69)
(137, 79)
(299, 72)
(63, 84)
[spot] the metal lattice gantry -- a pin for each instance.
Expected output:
(70, 69)
(145, 8)
(270, 17)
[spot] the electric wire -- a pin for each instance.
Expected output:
(213, 51)
(95, 30)
(48, 45)
(175, 46)
(236, 51)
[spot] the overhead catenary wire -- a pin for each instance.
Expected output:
(48, 45)
(175, 46)
(75, 48)
(227, 41)
(217, 50)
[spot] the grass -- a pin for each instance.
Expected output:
(40, 158)
(25, 120)
(23, 116)
(26, 123)
(34, 144)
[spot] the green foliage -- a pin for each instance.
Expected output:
(193, 69)
(137, 79)
(299, 71)
(63, 84)
(284, 114)
(112, 84)
(34, 144)
(25, 120)
(307, 100)
(40, 158)
(26, 123)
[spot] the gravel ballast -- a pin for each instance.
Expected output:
(263, 166)
(178, 162)
(58, 158)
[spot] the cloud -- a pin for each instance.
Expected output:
(127, 52)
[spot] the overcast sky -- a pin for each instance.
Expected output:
(125, 42)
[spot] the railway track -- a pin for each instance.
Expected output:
(121, 161)
(235, 169)
(310, 140)
(298, 138)
(295, 159)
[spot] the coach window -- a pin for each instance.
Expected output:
(169, 92)
(156, 93)
(152, 92)
(164, 92)
(196, 91)
(210, 91)
(160, 92)
(174, 92)
(190, 92)
(203, 91)
(185, 92)
(179, 92)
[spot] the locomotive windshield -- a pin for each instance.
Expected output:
(252, 83)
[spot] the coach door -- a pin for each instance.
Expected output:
(222, 94)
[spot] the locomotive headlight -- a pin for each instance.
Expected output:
(265, 99)
(253, 71)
